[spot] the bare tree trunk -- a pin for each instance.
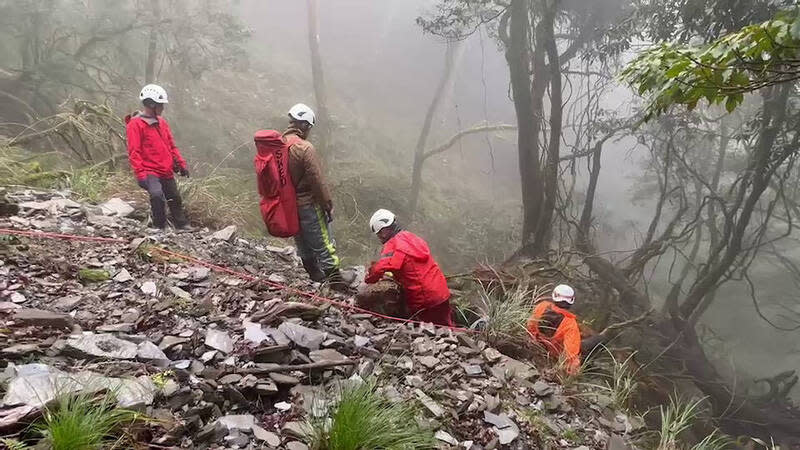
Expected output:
(323, 126)
(150, 65)
(544, 227)
(419, 151)
(527, 98)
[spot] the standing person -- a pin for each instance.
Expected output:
(154, 157)
(315, 243)
(556, 328)
(408, 257)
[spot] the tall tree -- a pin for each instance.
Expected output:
(450, 57)
(743, 209)
(324, 125)
(152, 45)
(540, 38)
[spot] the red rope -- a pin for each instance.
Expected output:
(218, 268)
(71, 237)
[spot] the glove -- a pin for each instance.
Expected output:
(184, 172)
(329, 215)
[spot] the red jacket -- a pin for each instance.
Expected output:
(151, 149)
(409, 259)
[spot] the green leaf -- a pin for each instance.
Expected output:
(677, 69)
(731, 103)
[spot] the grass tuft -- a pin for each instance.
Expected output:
(678, 417)
(620, 384)
(85, 422)
(505, 312)
(13, 444)
(364, 419)
(217, 201)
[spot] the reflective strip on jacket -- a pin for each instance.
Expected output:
(408, 258)
(565, 341)
(151, 148)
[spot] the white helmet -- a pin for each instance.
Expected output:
(381, 219)
(154, 92)
(564, 293)
(301, 111)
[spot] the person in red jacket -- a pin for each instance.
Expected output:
(409, 259)
(154, 157)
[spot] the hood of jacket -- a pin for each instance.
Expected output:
(411, 245)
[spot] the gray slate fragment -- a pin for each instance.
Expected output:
(270, 438)
(42, 318)
(428, 361)
(616, 442)
(116, 207)
(253, 332)
(429, 403)
(280, 378)
(219, 340)
(149, 288)
(116, 328)
(445, 437)
(180, 293)
(305, 337)
(67, 303)
(122, 276)
(327, 354)
(38, 384)
(101, 346)
(170, 341)
(238, 421)
(147, 351)
(542, 389)
(225, 234)
(505, 428)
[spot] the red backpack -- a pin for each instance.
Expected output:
(278, 199)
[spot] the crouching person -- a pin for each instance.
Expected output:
(154, 157)
(409, 260)
(552, 325)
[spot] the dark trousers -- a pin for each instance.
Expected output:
(164, 193)
(440, 314)
(315, 244)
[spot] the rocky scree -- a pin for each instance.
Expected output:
(226, 362)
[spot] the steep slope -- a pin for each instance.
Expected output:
(229, 345)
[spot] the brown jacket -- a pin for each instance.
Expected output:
(306, 172)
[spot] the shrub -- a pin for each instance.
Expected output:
(364, 419)
(85, 421)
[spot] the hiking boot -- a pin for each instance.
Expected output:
(313, 270)
(185, 229)
(335, 281)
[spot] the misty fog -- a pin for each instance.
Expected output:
(381, 71)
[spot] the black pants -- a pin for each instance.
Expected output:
(164, 192)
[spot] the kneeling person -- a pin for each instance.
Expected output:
(409, 259)
(556, 328)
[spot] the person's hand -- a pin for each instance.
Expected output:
(184, 172)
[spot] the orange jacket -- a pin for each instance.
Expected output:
(565, 340)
